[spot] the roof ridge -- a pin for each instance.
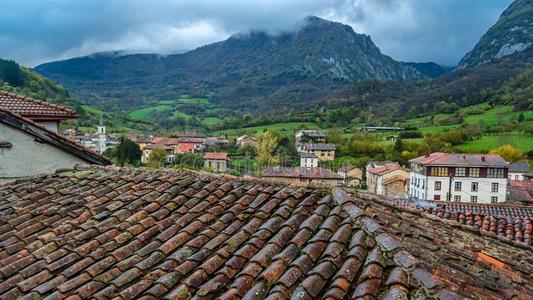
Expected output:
(469, 228)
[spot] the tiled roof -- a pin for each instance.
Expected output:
(519, 167)
(34, 109)
(159, 146)
(165, 141)
(460, 159)
(511, 222)
(194, 140)
(319, 147)
(521, 190)
(301, 172)
(387, 168)
(132, 233)
(45, 135)
(307, 155)
(216, 156)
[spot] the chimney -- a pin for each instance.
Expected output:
(483, 158)
(427, 154)
(464, 156)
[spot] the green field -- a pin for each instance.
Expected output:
(286, 128)
(92, 110)
(210, 121)
(144, 113)
(489, 142)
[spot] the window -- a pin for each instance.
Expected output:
(474, 172)
(461, 172)
(494, 188)
(437, 185)
(439, 171)
(458, 186)
(475, 186)
(493, 199)
(457, 198)
(423, 184)
(494, 173)
(436, 197)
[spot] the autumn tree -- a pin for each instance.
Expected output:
(266, 144)
(157, 158)
(508, 153)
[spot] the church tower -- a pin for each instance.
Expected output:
(102, 138)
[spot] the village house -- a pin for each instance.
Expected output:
(190, 144)
(303, 176)
(521, 191)
(245, 140)
(41, 112)
(518, 170)
(99, 141)
(324, 152)
(141, 141)
(308, 160)
(126, 233)
(480, 178)
(215, 141)
(380, 128)
(389, 179)
(28, 148)
(169, 149)
(309, 137)
(218, 162)
(351, 175)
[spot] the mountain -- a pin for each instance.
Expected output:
(23, 81)
(513, 32)
(506, 80)
(255, 70)
(429, 69)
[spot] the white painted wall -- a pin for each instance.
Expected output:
(308, 162)
(28, 157)
(516, 176)
(423, 187)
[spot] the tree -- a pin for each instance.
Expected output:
(398, 145)
(128, 152)
(266, 144)
(508, 153)
(335, 136)
(157, 158)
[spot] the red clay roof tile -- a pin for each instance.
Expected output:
(252, 239)
(34, 109)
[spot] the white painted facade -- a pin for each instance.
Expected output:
(457, 188)
(28, 157)
(309, 162)
(517, 176)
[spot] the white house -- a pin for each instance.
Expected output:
(440, 176)
(518, 170)
(308, 160)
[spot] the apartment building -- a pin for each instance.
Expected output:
(478, 178)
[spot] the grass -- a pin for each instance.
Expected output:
(144, 113)
(210, 121)
(489, 142)
(203, 101)
(92, 110)
(286, 128)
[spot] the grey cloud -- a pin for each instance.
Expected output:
(36, 31)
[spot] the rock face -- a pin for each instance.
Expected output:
(319, 54)
(512, 33)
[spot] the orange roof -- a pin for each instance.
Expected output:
(218, 156)
(165, 141)
(388, 167)
(34, 109)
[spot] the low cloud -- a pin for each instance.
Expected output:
(36, 31)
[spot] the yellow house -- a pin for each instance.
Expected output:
(389, 180)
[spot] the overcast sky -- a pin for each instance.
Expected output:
(37, 31)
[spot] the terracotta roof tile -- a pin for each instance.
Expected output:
(184, 234)
(34, 109)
